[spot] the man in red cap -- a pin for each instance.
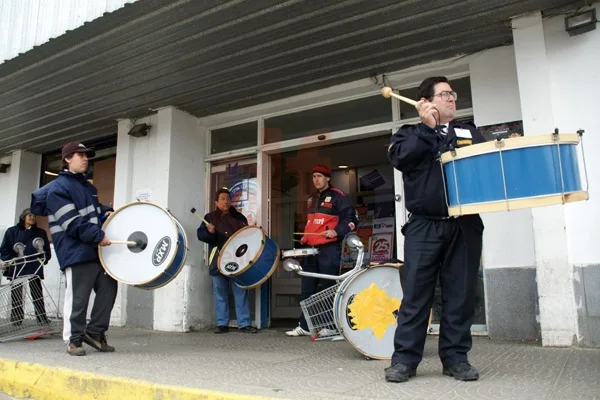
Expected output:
(74, 218)
(330, 217)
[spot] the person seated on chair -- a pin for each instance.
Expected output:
(330, 217)
(24, 234)
(222, 224)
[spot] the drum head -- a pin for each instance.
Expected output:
(367, 306)
(139, 221)
(242, 248)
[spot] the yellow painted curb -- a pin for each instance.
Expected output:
(41, 382)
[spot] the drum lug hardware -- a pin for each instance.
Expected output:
(499, 142)
(580, 132)
(452, 150)
(555, 134)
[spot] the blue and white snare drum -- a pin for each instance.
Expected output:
(514, 173)
(160, 250)
(365, 309)
(249, 257)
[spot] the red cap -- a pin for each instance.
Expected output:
(76, 147)
(321, 169)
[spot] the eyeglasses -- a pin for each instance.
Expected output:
(446, 95)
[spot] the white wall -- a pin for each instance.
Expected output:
(575, 74)
(28, 23)
(16, 185)
(495, 93)
(6, 194)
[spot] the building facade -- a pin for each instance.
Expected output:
(540, 269)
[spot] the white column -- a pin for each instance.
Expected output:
(186, 301)
(168, 165)
(554, 275)
(17, 183)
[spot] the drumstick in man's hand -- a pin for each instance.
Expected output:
(193, 210)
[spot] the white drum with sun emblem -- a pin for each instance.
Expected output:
(160, 248)
(365, 310)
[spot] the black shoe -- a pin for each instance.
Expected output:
(222, 329)
(248, 329)
(98, 343)
(462, 372)
(399, 373)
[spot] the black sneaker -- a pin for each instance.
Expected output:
(248, 329)
(462, 372)
(75, 349)
(98, 343)
(222, 329)
(399, 373)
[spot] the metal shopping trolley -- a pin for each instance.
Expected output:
(27, 311)
(318, 308)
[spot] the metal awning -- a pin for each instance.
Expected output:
(211, 56)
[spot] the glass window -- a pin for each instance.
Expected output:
(234, 137)
(336, 117)
(461, 86)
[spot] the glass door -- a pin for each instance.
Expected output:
(239, 177)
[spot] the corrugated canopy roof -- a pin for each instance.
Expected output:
(211, 56)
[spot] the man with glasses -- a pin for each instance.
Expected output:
(436, 247)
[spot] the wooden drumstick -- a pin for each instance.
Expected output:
(193, 210)
(127, 242)
(308, 234)
(389, 92)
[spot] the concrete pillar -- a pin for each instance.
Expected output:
(167, 166)
(554, 274)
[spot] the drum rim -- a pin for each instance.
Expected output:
(342, 289)
(183, 260)
(121, 208)
(262, 246)
(516, 143)
(313, 248)
(266, 277)
(518, 203)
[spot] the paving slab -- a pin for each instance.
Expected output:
(271, 365)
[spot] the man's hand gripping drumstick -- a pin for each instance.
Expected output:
(426, 110)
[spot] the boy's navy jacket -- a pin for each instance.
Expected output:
(74, 216)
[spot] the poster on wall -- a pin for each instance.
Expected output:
(244, 198)
(503, 130)
(381, 247)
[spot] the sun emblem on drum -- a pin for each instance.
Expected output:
(373, 308)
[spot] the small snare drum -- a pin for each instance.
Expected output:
(309, 251)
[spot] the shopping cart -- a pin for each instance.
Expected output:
(27, 311)
(318, 308)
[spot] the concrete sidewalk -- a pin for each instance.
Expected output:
(202, 365)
